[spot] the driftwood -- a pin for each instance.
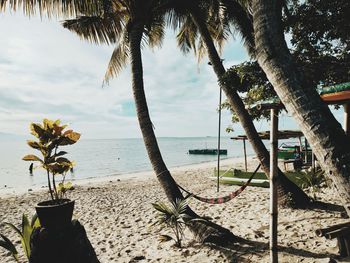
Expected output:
(342, 233)
(68, 245)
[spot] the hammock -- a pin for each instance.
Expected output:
(221, 200)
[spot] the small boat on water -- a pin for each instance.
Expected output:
(207, 151)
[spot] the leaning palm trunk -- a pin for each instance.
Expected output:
(327, 139)
(209, 231)
(166, 180)
(289, 193)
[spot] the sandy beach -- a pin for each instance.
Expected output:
(117, 215)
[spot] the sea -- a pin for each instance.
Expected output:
(108, 157)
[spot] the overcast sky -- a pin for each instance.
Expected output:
(48, 72)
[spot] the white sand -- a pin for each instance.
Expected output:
(117, 217)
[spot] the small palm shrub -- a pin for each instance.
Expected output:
(24, 233)
(313, 182)
(174, 217)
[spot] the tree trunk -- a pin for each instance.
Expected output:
(216, 233)
(289, 193)
(166, 180)
(329, 142)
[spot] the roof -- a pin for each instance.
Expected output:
(281, 135)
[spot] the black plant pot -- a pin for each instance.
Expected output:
(55, 214)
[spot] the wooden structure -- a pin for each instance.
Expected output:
(274, 136)
(265, 135)
(339, 95)
(273, 186)
(342, 233)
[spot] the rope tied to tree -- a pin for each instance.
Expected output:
(224, 199)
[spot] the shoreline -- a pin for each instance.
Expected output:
(117, 216)
(10, 191)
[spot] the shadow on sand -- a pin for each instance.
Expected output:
(243, 249)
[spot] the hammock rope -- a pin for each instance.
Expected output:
(224, 199)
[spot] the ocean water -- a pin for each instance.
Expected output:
(99, 158)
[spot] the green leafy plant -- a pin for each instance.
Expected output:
(24, 233)
(174, 217)
(51, 135)
(313, 181)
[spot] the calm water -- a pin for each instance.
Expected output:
(98, 158)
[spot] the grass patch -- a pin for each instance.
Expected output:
(299, 178)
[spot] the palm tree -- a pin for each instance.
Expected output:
(125, 23)
(326, 136)
(128, 23)
(192, 17)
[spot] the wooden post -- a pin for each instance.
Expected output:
(347, 118)
(305, 157)
(245, 156)
(219, 137)
(273, 186)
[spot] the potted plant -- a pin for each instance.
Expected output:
(51, 135)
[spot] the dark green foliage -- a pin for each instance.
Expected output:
(174, 217)
(8, 245)
(320, 33)
(24, 234)
(320, 38)
(254, 85)
(313, 182)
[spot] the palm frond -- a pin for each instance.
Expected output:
(237, 15)
(219, 30)
(202, 51)
(155, 31)
(187, 36)
(176, 16)
(59, 8)
(117, 62)
(96, 29)
(8, 245)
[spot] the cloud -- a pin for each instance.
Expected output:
(47, 71)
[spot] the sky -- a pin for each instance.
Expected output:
(48, 72)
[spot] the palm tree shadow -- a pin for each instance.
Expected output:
(243, 249)
(328, 207)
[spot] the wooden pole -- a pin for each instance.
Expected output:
(305, 157)
(219, 137)
(347, 118)
(273, 186)
(245, 156)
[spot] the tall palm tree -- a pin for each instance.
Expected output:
(326, 136)
(129, 23)
(192, 16)
(126, 23)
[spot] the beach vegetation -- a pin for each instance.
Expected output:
(51, 135)
(173, 216)
(24, 232)
(313, 182)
